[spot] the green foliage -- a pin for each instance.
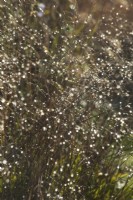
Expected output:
(66, 103)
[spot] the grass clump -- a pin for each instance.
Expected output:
(66, 103)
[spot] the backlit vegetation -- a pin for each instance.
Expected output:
(66, 100)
